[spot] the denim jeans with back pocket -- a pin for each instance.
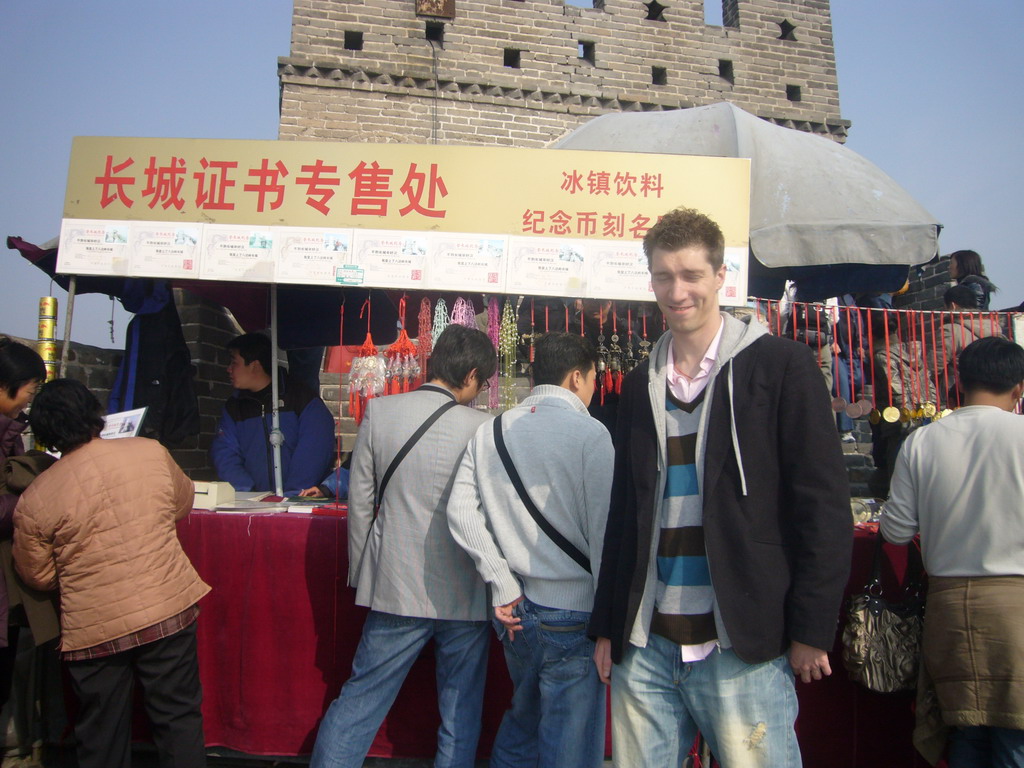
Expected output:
(558, 707)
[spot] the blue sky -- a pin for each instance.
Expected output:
(930, 85)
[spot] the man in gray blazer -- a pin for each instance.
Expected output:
(418, 583)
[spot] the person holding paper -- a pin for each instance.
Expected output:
(99, 525)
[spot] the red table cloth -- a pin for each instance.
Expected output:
(278, 632)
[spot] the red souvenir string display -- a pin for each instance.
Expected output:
(402, 366)
(367, 376)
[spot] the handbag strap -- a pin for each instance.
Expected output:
(563, 543)
(913, 577)
(379, 497)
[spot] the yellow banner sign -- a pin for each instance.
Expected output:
(529, 192)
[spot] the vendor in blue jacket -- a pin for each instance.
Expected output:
(241, 451)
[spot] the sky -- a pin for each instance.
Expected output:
(929, 86)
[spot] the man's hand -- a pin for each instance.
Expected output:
(808, 663)
(311, 492)
(503, 613)
(603, 659)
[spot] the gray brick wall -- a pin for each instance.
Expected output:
(400, 87)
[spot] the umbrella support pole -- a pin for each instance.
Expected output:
(69, 314)
(276, 436)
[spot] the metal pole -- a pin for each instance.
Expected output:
(276, 436)
(65, 348)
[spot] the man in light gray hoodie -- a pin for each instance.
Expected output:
(538, 547)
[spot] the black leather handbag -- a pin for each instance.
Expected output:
(882, 637)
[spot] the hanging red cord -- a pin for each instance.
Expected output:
(605, 380)
(945, 363)
(935, 359)
(888, 352)
(871, 366)
(400, 357)
(912, 360)
(361, 384)
(617, 375)
(849, 346)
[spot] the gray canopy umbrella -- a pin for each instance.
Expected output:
(813, 202)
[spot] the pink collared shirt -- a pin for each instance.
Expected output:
(682, 387)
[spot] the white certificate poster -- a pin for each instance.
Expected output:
(618, 270)
(539, 266)
(391, 259)
(231, 252)
(734, 290)
(466, 262)
(165, 250)
(311, 256)
(93, 247)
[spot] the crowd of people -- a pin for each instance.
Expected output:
(692, 558)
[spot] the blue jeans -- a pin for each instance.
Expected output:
(981, 746)
(745, 711)
(389, 646)
(558, 704)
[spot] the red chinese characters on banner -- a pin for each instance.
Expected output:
(619, 183)
(613, 225)
(213, 184)
(111, 179)
(572, 182)
(318, 185)
(586, 224)
(650, 185)
(164, 183)
(533, 222)
(624, 184)
(413, 188)
(560, 221)
(372, 189)
(640, 226)
(597, 182)
(268, 182)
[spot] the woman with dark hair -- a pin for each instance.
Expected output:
(100, 526)
(21, 371)
(966, 268)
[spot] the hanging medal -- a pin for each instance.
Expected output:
(891, 414)
(631, 361)
(645, 345)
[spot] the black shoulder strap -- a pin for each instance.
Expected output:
(405, 452)
(563, 543)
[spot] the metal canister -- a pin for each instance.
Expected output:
(51, 369)
(48, 351)
(47, 318)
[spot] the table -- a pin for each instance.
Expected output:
(279, 630)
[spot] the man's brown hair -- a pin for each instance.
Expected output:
(683, 228)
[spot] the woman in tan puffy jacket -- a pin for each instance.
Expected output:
(99, 525)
